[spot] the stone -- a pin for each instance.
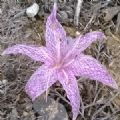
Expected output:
(50, 109)
(32, 10)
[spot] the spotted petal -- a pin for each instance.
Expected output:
(55, 33)
(36, 53)
(70, 85)
(39, 82)
(82, 42)
(87, 66)
(87, 39)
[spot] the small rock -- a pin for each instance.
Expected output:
(32, 10)
(2, 91)
(50, 109)
(62, 16)
(4, 81)
(25, 113)
(14, 114)
(69, 11)
(77, 33)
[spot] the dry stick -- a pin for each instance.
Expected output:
(97, 93)
(105, 105)
(118, 23)
(96, 87)
(111, 115)
(90, 21)
(19, 14)
(115, 37)
(77, 12)
(82, 108)
(64, 99)
(91, 105)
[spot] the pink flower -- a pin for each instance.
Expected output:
(63, 60)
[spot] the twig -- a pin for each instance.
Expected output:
(90, 21)
(77, 12)
(115, 37)
(105, 105)
(19, 14)
(95, 98)
(82, 108)
(95, 12)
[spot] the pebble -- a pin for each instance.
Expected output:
(69, 11)
(51, 109)
(62, 16)
(77, 33)
(2, 91)
(25, 113)
(32, 10)
(4, 81)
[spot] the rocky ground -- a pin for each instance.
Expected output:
(99, 102)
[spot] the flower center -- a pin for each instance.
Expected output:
(63, 64)
(57, 66)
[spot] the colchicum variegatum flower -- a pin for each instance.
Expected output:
(63, 60)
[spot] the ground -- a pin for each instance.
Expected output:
(98, 102)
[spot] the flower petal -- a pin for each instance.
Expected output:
(55, 33)
(82, 42)
(39, 82)
(70, 85)
(87, 66)
(36, 53)
(87, 39)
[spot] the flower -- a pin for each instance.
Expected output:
(63, 60)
